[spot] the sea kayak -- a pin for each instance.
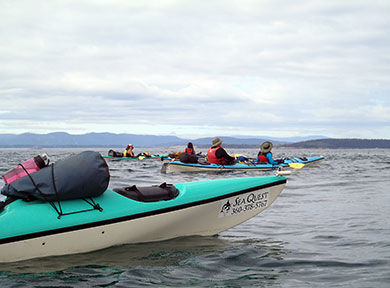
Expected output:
(142, 157)
(132, 215)
(297, 163)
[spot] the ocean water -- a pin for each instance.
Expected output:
(330, 227)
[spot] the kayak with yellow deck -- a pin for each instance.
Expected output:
(249, 165)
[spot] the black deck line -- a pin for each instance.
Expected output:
(135, 216)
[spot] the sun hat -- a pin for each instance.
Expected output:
(266, 147)
(216, 141)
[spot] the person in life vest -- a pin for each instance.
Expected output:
(190, 149)
(189, 155)
(129, 151)
(216, 154)
(265, 154)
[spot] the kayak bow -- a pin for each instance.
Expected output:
(133, 215)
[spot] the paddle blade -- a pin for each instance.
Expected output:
(296, 165)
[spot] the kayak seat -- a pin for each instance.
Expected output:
(149, 194)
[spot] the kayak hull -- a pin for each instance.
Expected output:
(197, 210)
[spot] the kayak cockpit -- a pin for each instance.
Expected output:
(153, 193)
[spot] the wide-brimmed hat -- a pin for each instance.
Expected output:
(216, 141)
(266, 147)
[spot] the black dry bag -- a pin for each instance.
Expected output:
(188, 158)
(79, 176)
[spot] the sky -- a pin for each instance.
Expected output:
(196, 68)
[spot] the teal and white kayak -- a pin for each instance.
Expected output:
(152, 157)
(296, 163)
(132, 215)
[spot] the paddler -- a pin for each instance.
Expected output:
(216, 154)
(265, 154)
(129, 151)
(190, 149)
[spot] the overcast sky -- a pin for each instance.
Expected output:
(196, 68)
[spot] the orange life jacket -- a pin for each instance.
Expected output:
(212, 157)
(262, 157)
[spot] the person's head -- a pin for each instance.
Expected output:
(130, 147)
(266, 147)
(216, 142)
(189, 145)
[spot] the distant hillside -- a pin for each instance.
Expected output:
(235, 142)
(331, 143)
(112, 140)
(62, 139)
(285, 139)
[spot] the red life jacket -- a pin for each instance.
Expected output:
(189, 150)
(212, 158)
(262, 157)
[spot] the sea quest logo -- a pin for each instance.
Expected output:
(243, 203)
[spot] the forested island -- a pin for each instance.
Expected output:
(349, 143)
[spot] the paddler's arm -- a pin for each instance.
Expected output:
(221, 153)
(270, 159)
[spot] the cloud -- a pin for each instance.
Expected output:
(218, 68)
